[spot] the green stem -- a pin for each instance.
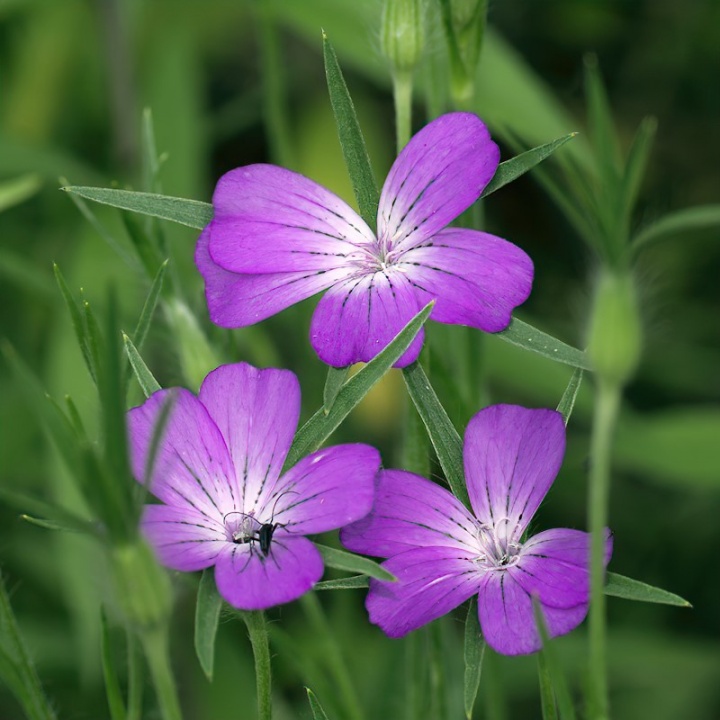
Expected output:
(402, 95)
(331, 651)
(155, 643)
(135, 679)
(257, 630)
(437, 671)
(607, 403)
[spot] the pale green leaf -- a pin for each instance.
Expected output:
(629, 589)
(317, 711)
(474, 650)
(193, 213)
(341, 560)
(145, 378)
(336, 378)
(567, 401)
(349, 583)
(680, 223)
(14, 192)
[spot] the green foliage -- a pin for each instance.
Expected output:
(207, 616)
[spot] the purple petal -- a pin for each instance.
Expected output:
(257, 413)
(192, 468)
(409, 512)
(236, 300)
(438, 175)
(268, 219)
(326, 490)
(555, 566)
(183, 538)
(476, 278)
(512, 455)
(249, 580)
(357, 318)
(430, 583)
(507, 620)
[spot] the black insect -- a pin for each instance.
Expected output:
(251, 530)
(265, 536)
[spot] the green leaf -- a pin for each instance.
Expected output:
(515, 167)
(336, 378)
(145, 378)
(351, 138)
(148, 310)
(317, 711)
(567, 401)
(629, 589)
(443, 435)
(682, 222)
(602, 130)
(474, 650)
(14, 192)
(78, 322)
(526, 336)
(321, 425)
(141, 241)
(637, 164)
(341, 560)
(348, 583)
(547, 694)
(16, 667)
(207, 616)
(112, 686)
(193, 213)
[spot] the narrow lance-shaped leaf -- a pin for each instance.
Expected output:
(145, 378)
(629, 589)
(530, 338)
(443, 435)
(16, 667)
(148, 310)
(351, 138)
(193, 213)
(321, 425)
(680, 223)
(474, 650)
(341, 560)
(315, 707)
(515, 167)
(207, 616)
(15, 191)
(567, 401)
(349, 583)
(636, 165)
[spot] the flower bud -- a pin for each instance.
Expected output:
(615, 328)
(142, 587)
(401, 34)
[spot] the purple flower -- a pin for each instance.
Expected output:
(224, 501)
(277, 238)
(442, 554)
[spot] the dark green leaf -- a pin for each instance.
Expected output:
(637, 164)
(320, 426)
(526, 336)
(351, 138)
(443, 435)
(515, 167)
(193, 213)
(349, 583)
(680, 223)
(317, 711)
(474, 650)
(629, 589)
(567, 401)
(341, 560)
(207, 616)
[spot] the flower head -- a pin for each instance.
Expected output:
(277, 238)
(217, 472)
(442, 554)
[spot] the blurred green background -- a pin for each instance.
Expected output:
(75, 77)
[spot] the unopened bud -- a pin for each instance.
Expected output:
(401, 34)
(615, 329)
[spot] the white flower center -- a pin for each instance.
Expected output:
(499, 548)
